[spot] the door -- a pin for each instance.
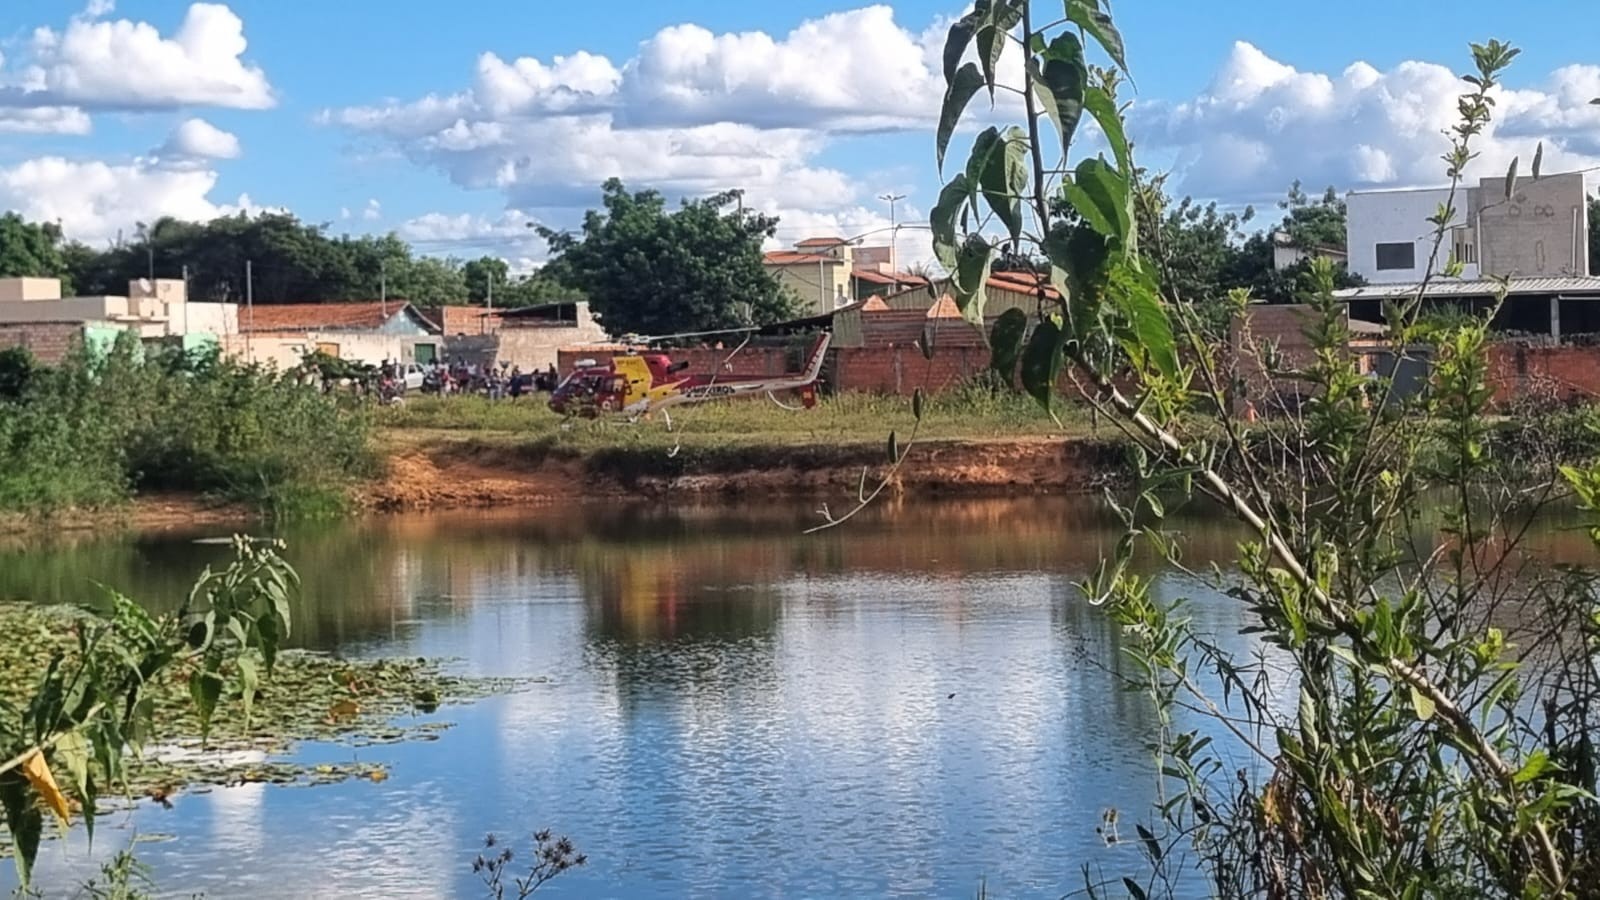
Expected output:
(425, 354)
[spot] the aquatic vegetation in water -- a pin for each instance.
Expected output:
(310, 697)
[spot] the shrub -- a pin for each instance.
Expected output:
(92, 431)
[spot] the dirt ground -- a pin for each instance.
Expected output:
(443, 476)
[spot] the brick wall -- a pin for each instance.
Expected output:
(1283, 326)
(903, 369)
(49, 342)
(1568, 374)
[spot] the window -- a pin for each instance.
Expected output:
(1397, 256)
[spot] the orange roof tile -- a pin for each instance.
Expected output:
(316, 316)
(792, 258)
(822, 242)
(874, 304)
(945, 309)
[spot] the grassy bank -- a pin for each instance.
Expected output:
(852, 419)
(95, 431)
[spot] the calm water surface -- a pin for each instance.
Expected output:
(906, 706)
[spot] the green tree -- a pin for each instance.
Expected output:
(30, 250)
(431, 281)
(480, 273)
(646, 270)
(1312, 224)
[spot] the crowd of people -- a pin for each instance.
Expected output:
(459, 377)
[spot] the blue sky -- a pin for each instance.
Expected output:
(455, 125)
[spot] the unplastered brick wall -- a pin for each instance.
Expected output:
(1564, 373)
(49, 342)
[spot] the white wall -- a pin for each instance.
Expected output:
(13, 290)
(73, 309)
(1384, 217)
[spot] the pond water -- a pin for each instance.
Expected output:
(910, 705)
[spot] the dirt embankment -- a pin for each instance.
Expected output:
(464, 475)
(471, 474)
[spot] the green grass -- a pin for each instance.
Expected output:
(851, 419)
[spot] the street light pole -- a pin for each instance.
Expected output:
(894, 232)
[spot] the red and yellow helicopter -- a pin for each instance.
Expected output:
(634, 384)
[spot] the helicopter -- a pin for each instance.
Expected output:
(635, 384)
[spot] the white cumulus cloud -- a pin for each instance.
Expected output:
(1261, 124)
(97, 63)
(44, 120)
(692, 113)
(94, 199)
(198, 140)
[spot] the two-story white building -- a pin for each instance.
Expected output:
(1537, 236)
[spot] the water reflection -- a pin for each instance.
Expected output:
(896, 708)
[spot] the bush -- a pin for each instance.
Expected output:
(90, 433)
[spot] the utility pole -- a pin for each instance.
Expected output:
(186, 299)
(894, 232)
(250, 311)
(383, 288)
(490, 276)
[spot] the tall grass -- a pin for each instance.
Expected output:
(94, 431)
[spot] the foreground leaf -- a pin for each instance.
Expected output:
(43, 781)
(1041, 362)
(956, 98)
(1005, 343)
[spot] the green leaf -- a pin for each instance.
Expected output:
(1538, 160)
(894, 448)
(942, 221)
(1096, 22)
(1104, 110)
(1146, 332)
(249, 681)
(1100, 194)
(916, 404)
(1041, 361)
(972, 278)
(993, 35)
(1061, 77)
(1134, 890)
(73, 751)
(1511, 178)
(1151, 845)
(957, 40)
(205, 689)
(1538, 763)
(999, 167)
(1005, 343)
(1422, 704)
(956, 98)
(25, 822)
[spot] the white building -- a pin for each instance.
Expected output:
(1540, 231)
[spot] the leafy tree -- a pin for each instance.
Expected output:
(646, 270)
(30, 250)
(535, 289)
(480, 273)
(431, 281)
(1311, 224)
